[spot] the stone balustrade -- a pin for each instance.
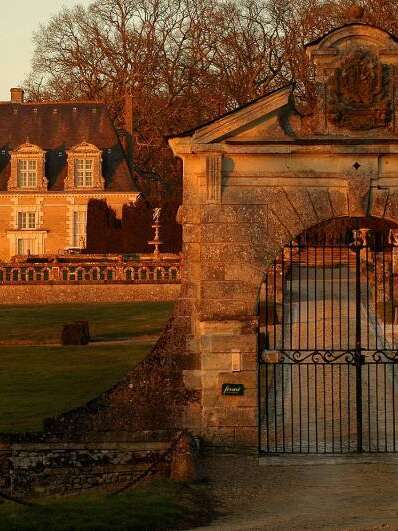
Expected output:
(118, 272)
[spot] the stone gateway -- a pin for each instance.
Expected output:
(254, 180)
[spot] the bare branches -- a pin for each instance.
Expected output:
(184, 61)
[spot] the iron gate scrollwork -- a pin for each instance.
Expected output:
(328, 349)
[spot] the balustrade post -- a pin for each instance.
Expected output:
(54, 273)
(119, 272)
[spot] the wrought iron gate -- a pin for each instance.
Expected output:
(328, 349)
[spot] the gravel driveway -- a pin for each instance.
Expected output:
(353, 495)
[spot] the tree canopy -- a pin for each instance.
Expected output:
(183, 61)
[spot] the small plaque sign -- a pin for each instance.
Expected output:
(233, 389)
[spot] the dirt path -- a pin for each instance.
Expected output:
(348, 496)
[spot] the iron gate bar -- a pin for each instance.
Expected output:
(358, 344)
(312, 409)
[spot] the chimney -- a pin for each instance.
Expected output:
(17, 95)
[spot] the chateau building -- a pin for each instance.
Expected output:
(54, 158)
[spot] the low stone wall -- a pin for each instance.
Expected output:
(40, 469)
(79, 293)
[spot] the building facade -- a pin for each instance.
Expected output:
(56, 157)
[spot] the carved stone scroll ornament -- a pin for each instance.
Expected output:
(359, 93)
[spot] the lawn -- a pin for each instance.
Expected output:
(42, 381)
(43, 324)
(160, 505)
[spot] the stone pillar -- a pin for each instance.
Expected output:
(190, 216)
(228, 356)
(226, 325)
(394, 242)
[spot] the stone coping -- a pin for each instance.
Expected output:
(132, 446)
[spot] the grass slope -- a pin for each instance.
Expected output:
(160, 505)
(42, 381)
(39, 382)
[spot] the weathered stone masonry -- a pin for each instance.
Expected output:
(258, 177)
(254, 180)
(83, 293)
(53, 468)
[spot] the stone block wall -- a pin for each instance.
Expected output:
(89, 293)
(40, 469)
(264, 198)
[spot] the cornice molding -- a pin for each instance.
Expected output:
(227, 125)
(242, 117)
(294, 147)
(27, 231)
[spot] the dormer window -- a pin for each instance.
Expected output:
(84, 168)
(27, 173)
(84, 173)
(28, 168)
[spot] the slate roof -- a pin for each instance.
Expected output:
(57, 127)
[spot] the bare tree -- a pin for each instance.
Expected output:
(184, 61)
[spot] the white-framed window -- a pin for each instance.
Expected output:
(27, 173)
(79, 228)
(27, 168)
(26, 246)
(23, 242)
(84, 175)
(84, 168)
(26, 220)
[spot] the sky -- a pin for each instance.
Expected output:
(18, 20)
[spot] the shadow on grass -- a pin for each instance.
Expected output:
(159, 505)
(41, 382)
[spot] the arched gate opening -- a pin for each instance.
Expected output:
(328, 363)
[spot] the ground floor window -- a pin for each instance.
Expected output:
(79, 228)
(27, 246)
(24, 242)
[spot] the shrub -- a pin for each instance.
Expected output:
(76, 333)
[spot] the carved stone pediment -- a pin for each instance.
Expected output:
(353, 95)
(359, 92)
(355, 76)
